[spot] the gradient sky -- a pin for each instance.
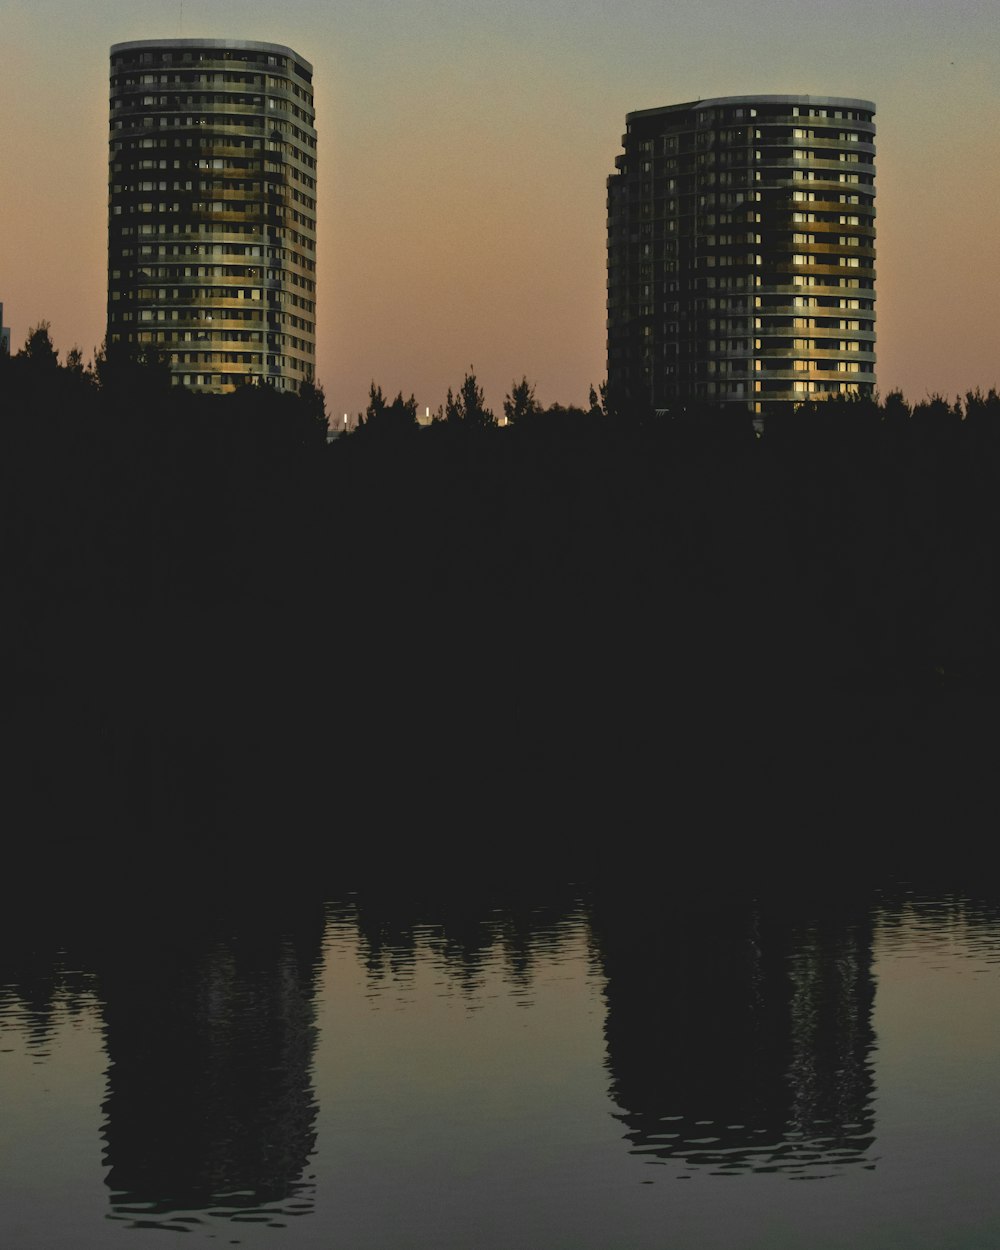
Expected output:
(463, 152)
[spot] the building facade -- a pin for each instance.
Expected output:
(741, 252)
(4, 336)
(212, 210)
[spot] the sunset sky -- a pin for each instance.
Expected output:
(463, 152)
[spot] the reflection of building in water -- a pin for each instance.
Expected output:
(738, 1040)
(209, 1102)
(829, 1072)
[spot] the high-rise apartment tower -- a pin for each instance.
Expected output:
(212, 210)
(741, 252)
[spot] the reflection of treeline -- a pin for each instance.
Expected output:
(463, 922)
(220, 620)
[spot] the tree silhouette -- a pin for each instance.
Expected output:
(596, 402)
(520, 402)
(38, 350)
(130, 374)
(385, 419)
(312, 401)
(75, 364)
(468, 407)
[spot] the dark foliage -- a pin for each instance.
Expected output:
(388, 421)
(468, 408)
(217, 625)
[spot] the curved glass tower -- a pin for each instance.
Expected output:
(212, 210)
(741, 252)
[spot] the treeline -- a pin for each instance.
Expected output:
(217, 619)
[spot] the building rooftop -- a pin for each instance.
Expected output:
(250, 45)
(823, 101)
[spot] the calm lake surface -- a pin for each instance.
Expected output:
(554, 1067)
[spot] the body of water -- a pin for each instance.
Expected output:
(554, 1067)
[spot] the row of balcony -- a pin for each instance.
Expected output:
(245, 120)
(757, 116)
(167, 60)
(235, 281)
(182, 341)
(211, 231)
(186, 299)
(206, 326)
(125, 110)
(277, 210)
(279, 86)
(685, 204)
(724, 392)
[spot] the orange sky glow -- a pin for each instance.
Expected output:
(463, 152)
